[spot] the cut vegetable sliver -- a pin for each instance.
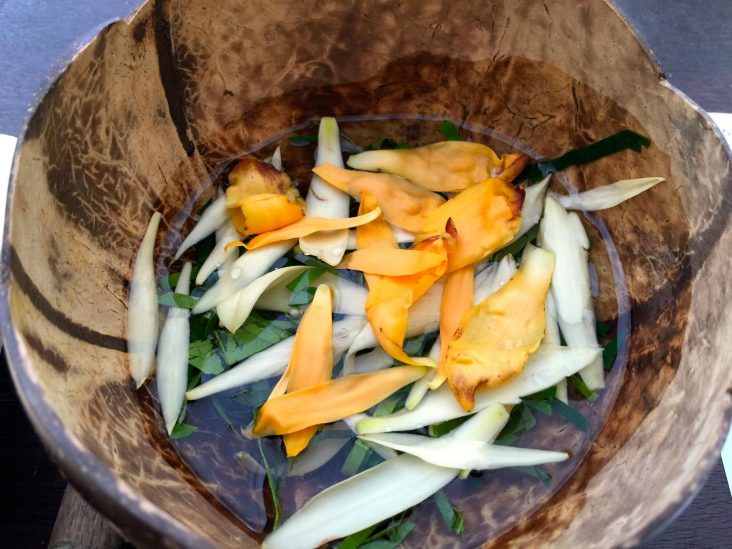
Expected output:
(608, 196)
(332, 400)
(142, 307)
(464, 454)
(211, 219)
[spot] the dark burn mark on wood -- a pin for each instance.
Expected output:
(56, 317)
(47, 353)
(169, 77)
(140, 30)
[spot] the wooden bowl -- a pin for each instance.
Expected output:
(143, 116)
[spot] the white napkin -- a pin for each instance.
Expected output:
(7, 148)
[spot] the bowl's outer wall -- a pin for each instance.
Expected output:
(151, 106)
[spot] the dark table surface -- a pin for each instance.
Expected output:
(691, 38)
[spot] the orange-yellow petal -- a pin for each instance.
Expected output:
(457, 300)
(496, 336)
(310, 225)
(404, 204)
(391, 262)
(447, 166)
(512, 165)
(375, 235)
(332, 400)
(261, 213)
(487, 216)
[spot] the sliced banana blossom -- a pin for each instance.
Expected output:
(219, 256)
(533, 206)
(211, 219)
(242, 272)
(142, 307)
(544, 369)
(608, 196)
(447, 166)
(404, 204)
(172, 367)
(349, 298)
(381, 492)
(234, 311)
(324, 200)
(273, 361)
(464, 454)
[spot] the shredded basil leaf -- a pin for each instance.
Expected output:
(450, 515)
(582, 387)
(517, 247)
(303, 140)
(172, 299)
(570, 414)
(182, 430)
(305, 279)
(439, 429)
(386, 144)
(273, 489)
(449, 131)
(356, 458)
(602, 328)
(547, 394)
(303, 297)
(200, 356)
(609, 353)
(625, 139)
(354, 541)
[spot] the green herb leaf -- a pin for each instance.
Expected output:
(547, 394)
(390, 405)
(172, 299)
(602, 328)
(626, 139)
(303, 140)
(449, 131)
(305, 279)
(302, 297)
(182, 430)
(194, 378)
(582, 387)
(201, 355)
(255, 335)
(254, 394)
(609, 353)
(273, 489)
(570, 414)
(517, 247)
(354, 541)
(543, 406)
(450, 515)
(536, 472)
(356, 458)
(386, 143)
(439, 429)
(310, 261)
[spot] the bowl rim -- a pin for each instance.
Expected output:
(141, 521)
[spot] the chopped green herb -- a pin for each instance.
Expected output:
(200, 354)
(626, 139)
(255, 394)
(172, 299)
(570, 414)
(194, 378)
(386, 143)
(450, 515)
(310, 261)
(273, 489)
(582, 387)
(182, 430)
(214, 363)
(390, 538)
(255, 335)
(304, 140)
(439, 429)
(302, 297)
(354, 541)
(602, 328)
(609, 353)
(389, 405)
(417, 346)
(547, 394)
(305, 279)
(356, 458)
(517, 247)
(449, 131)
(520, 420)
(536, 472)
(543, 406)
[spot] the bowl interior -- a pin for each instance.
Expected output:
(143, 119)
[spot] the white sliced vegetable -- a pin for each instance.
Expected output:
(421, 386)
(551, 337)
(492, 278)
(219, 255)
(464, 454)
(562, 233)
(545, 368)
(276, 159)
(607, 196)
(211, 219)
(349, 297)
(172, 368)
(377, 493)
(382, 451)
(378, 359)
(317, 454)
(233, 311)
(533, 206)
(142, 307)
(251, 265)
(424, 317)
(324, 200)
(402, 237)
(273, 360)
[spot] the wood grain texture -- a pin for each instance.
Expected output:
(723, 99)
(79, 526)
